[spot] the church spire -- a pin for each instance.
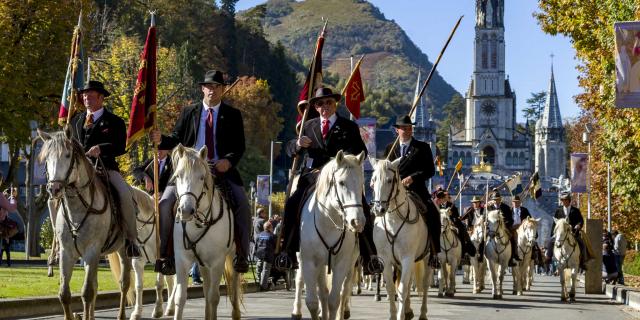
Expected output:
(490, 14)
(419, 117)
(551, 115)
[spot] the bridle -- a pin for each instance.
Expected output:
(497, 236)
(393, 194)
(560, 244)
(529, 247)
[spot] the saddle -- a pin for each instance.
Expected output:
(420, 206)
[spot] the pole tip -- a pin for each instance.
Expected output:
(153, 18)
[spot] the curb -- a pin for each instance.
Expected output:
(46, 306)
(625, 295)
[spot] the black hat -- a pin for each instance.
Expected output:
(164, 145)
(496, 195)
(96, 86)
(565, 195)
(441, 194)
(324, 93)
(213, 77)
(476, 199)
(515, 199)
(403, 121)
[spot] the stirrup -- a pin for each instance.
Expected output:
(375, 265)
(283, 262)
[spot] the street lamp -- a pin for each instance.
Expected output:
(586, 139)
(271, 176)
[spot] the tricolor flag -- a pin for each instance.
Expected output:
(74, 80)
(143, 106)
(534, 186)
(514, 184)
(314, 77)
(354, 91)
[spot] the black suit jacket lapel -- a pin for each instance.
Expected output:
(80, 127)
(317, 132)
(197, 112)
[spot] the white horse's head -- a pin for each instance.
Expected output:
(386, 185)
(529, 229)
(562, 231)
(61, 154)
(494, 222)
(340, 186)
(478, 227)
(445, 222)
(193, 181)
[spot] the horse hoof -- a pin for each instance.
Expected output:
(169, 312)
(296, 317)
(50, 272)
(359, 291)
(563, 299)
(136, 316)
(77, 316)
(466, 282)
(422, 318)
(440, 295)
(514, 292)
(376, 297)
(156, 314)
(409, 315)
(572, 299)
(347, 314)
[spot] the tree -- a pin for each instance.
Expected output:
(536, 106)
(454, 113)
(616, 132)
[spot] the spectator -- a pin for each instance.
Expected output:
(619, 251)
(195, 274)
(8, 204)
(258, 223)
(609, 270)
(265, 253)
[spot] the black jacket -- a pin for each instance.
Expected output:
(344, 135)
(229, 134)
(147, 169)
(417, 163)
(507, 215)
(575, 217)
(109, 132)
(470, 216)
(524, 213)
(265, 246)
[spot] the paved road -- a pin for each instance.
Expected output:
(543, 302)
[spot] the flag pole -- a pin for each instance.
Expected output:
(156, 162)
(426, 83)
(75, 47)
(296, 158)
(453, 175)
(351, 75)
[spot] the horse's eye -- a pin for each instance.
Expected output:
(68, 155)
(341, 183)
(389, 180)
(201, 178)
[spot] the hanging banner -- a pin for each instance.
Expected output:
(627, 56)
(262, 190)
(368, 134)
(579, 171)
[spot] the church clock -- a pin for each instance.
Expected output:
(488, 109)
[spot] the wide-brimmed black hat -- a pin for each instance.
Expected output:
(403, 121)
(213, 77)
(565, 195)
(165, 145)
(496, 195)
(324, 92)
(515, 199)
(96, 86)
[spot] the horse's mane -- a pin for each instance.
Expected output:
(58, 144)
(326, 174)
(144, 201)
(560, 223)
(193, 161)
(494, 215)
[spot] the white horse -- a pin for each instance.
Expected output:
(449, 255)
(147, 242)
(400, 235)
(478, 266)
(330, 218)
(526, 240)
(497, 250)
(84, 222)
(203, 233)
(567, 252)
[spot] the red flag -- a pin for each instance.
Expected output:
(143, 106)
(314, 77)
(74, 80)
(354, 92)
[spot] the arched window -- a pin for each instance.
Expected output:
(509, 160)
(489, 155)
(454, 160)
(515, 159)
(494, 51)
(485, 53)
(522, 159)
(468, 160)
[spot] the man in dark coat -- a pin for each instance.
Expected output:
(165, 170)
(415, 168)
(103, 135)
(574, 216)
(322, 138)
(218, 126)
(507, 216)
(518, 212)
(475, 211)
(454, 216)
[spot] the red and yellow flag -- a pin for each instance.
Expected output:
(354, 91)
(143, 106)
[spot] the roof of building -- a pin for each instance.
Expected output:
(551, 114)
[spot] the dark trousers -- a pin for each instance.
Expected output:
(465, 240)
(291, 227)
(6, 247)
(242, 218)
(432, 217)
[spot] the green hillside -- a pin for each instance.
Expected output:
(355, 27)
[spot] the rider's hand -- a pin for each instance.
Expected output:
(148, 184)
(407, 181)
(303, 142)
(93, 152)
(222, 165)
(14, 192)
(155, 136)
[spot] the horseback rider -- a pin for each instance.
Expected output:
(415, 168)
(199, 125)
(575, 219)
(519, 214)
(507, 216)
(476, 210)
(103, 134)
(322, 138)
(444, 202)
(165, 170)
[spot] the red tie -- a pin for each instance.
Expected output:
(325, 128)
(209, 135)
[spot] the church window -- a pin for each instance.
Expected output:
(515, 159)
(468, 159)
(494, 52)
(509, 159)
(489, 154)
(455, 157)
(485, 53)
(522, 159)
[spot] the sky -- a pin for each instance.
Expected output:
(528, 49)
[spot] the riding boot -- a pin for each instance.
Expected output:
(165, 264)
(583, 253)
(242, 223)
(433, 223)
(514, 252)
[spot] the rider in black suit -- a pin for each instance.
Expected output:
(415, 168)
(507, 216)
(339, 134)
(227, 138)
(469, 215)
(145, 171)
(103, 135)
(574, 216)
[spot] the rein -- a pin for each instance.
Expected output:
(151, 221)
(454, 242)
(560, 245)
(499, 235)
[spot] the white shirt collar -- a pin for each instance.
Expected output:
(406, 143)
(97, 114)
(332, 119)
(206, 106)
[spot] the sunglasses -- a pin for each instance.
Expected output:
(324, 102)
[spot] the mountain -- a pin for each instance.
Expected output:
(355, 27)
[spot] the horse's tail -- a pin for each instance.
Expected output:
(116, 271)
(419, 274)
(234, 285)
